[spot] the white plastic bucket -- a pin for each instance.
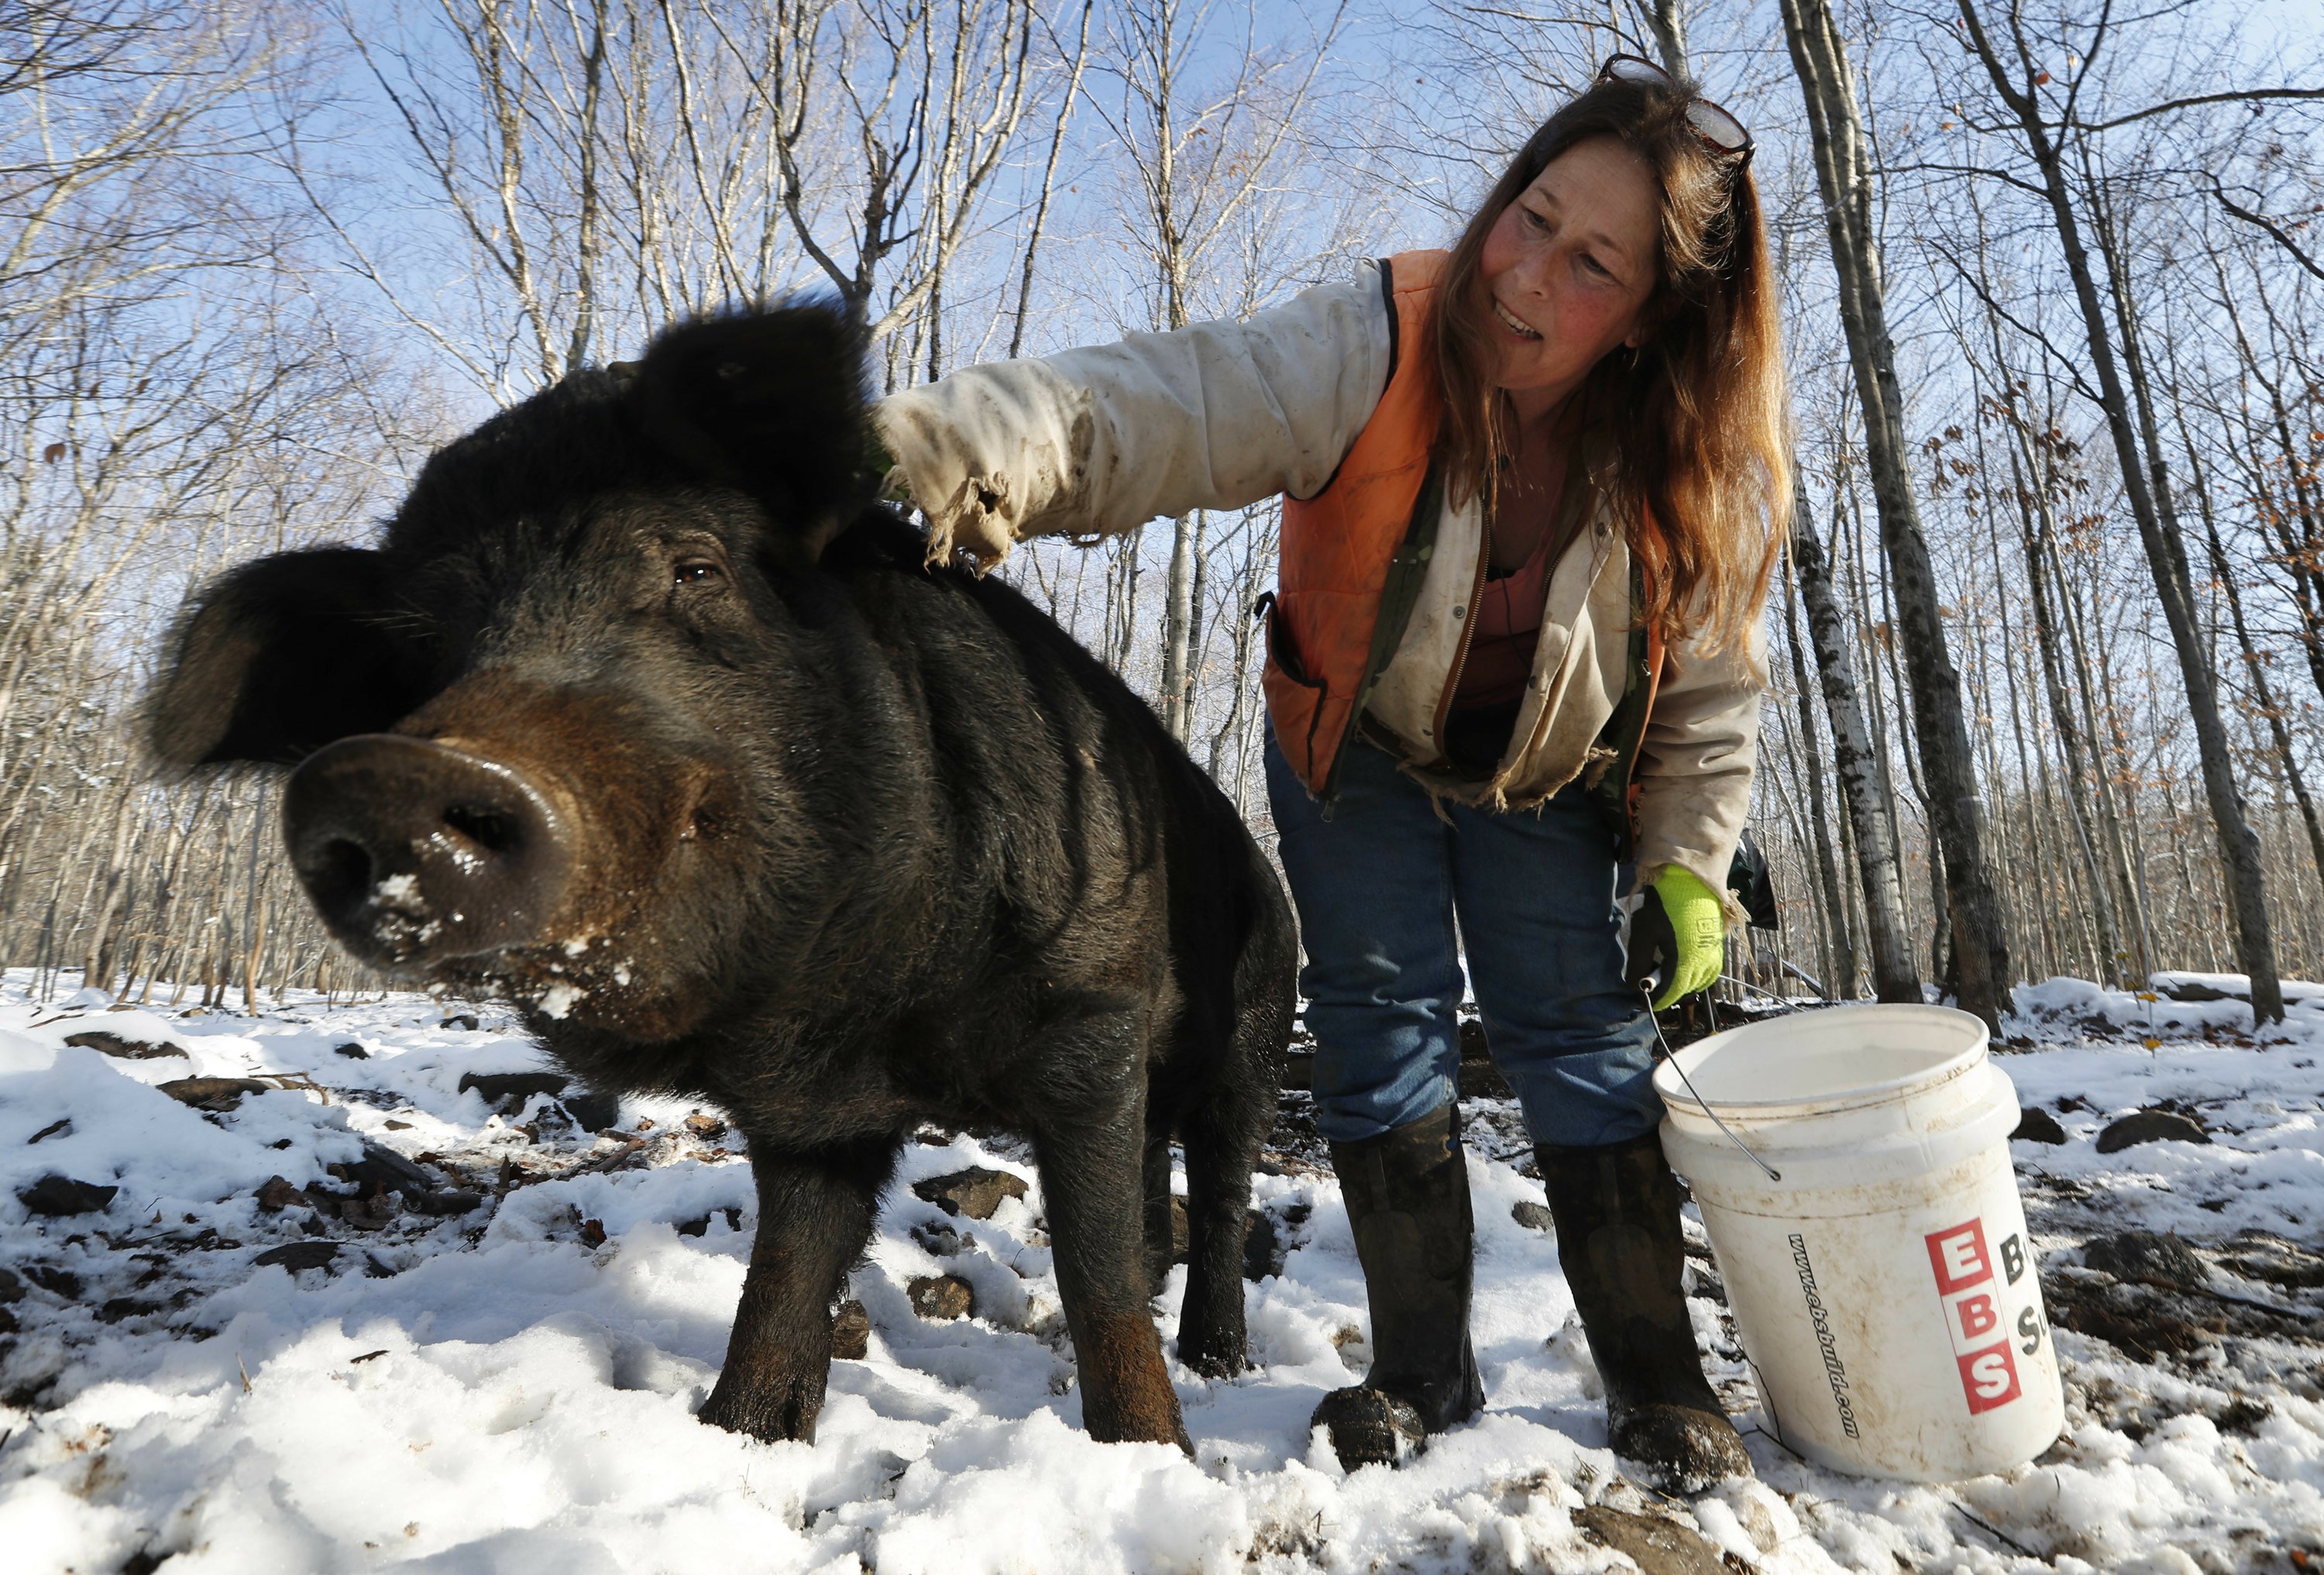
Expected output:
(1883, 1282)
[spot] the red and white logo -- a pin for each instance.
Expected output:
(1957, 1254)
(1988, 1378)
(1971, 1295)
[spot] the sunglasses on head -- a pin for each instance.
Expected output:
(1714, 125)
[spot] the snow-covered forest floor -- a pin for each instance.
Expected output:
(493, 1359)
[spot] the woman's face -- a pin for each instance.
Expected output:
(1569, 265)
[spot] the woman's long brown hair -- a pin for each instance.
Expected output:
(1698, 413)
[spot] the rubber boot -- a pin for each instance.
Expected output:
(1407, 1197)
(1618, 1238)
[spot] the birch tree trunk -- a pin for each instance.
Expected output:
(1198, 165)
(1666, 19)
(1840, 965)
(1894, 978)
(2079, 769)
(1980, 951)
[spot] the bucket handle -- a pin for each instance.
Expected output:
(1670, 1055)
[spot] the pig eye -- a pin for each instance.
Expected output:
(696, 571)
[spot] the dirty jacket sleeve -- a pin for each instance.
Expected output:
(1695, 761)
(1100, 440)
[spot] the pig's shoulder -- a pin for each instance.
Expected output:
(884, 558)
(945, 610)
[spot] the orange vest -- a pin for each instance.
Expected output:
(1339, 546)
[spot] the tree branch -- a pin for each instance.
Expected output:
(2241, 95)
(2261, 221)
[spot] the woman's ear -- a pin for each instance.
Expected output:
(1652, 316)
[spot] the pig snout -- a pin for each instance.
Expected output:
(416, 853)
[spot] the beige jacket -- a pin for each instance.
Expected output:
(1098, 441)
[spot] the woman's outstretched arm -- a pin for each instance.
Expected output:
(1100, 440)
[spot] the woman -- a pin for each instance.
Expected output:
(1530, 490)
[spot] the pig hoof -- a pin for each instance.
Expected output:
(778, 1414)
(1214, 1359)
(1112, 1426)
(1370, 1427)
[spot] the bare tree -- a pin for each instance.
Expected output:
(1894, 978)
(1980, 947)
(2145, 469)
(610, 165)
(1197, 151)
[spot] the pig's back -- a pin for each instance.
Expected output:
(1068, 766)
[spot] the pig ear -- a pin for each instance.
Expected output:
(276, 659)
(772, 402)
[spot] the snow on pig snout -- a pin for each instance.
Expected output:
(509, 834)
(413, 850)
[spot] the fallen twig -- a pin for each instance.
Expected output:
(296, 1080)
(615, 1161)
(2004, 1538)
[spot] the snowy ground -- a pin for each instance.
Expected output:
(510, 1386)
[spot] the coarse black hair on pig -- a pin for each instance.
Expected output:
(642, 715)
(285, 653)
(772, 404)
(281, 655)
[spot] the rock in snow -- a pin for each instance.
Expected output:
(974, 1192)
(1533, 1215)
(2145, 1257)
(519, 1086)
(850, 1333)
(2036, 1125)
(278, 1195)
(212, 1094)
(57, 1196)
(938, 1297)
(381, 1169)
(509, 1089)
(2150, 1126)
(108, 1044)
(1655, 1543)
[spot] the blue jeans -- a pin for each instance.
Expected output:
(1377, 886)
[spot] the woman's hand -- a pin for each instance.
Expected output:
(1698, 930)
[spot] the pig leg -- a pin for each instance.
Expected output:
(1223, 1134)
(1161, 1250)
(1092, 1179)
(815, 1215)
(1224, 1131)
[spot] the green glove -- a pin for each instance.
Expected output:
(1698, 925)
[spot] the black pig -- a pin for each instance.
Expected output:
(641, 717)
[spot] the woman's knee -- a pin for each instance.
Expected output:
(1361, 1092)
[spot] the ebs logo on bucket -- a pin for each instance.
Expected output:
(1971, 1292)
